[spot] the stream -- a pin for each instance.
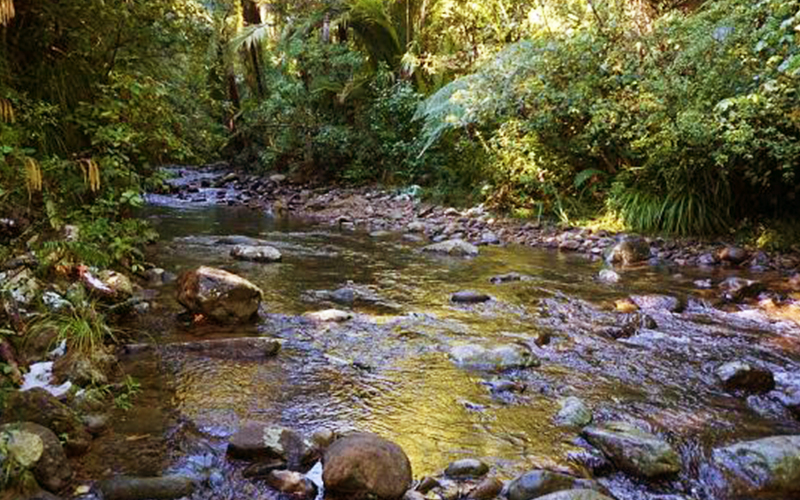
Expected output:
(388, 369)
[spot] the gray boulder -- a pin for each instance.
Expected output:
(764, 468)
(454, 248)
(575, 495)
(634, 450)
(261, 253)
(499, 358)
(467, 467)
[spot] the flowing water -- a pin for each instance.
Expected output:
(388, 370)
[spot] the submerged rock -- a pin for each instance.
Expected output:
(737, 289)
(256, 441)
(37, 449)
(488, 489)
(538, 483)
(608, 276)
(467, 467)
(764, 468)
(146, 488)
(656, 303)
(364, 464)
(329, 315)
(262, 253)
(455, 248)
(733, 255)
(502, 357)
(630, 250)
(634, 450)
(575, 495)
(218, 294)
(509, 277)
(573, 413)
(469, 297)
(737, 375)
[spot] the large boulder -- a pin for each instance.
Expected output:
(503, 357)
(573, 413)
(454, 248)
(538, 483)
(256, 441)
(736, 289)
(467, 467)
(634, 450)
(362, 464)
(764, 468)
(218, 294)
(37, 449)
(260, 253)
(40, 407)
(630, 250)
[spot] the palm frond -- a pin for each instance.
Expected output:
(6, 11)
(6, 110)
(251, 36)
(372, 24)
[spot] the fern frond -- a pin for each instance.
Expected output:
(251, 36)
(6, 11)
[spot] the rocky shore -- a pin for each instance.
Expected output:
(377, 211)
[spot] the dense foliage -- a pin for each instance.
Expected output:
(674, 116)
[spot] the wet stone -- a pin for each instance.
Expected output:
(537, 483)
(488, 489)
(766, 468)
(573, 413)
(740, 376)
(261, 254)
(737, 289)
(454, 247)
(634, 450)
(575, 495)
(146, 488)
(256, 441)
(657, 302)
(469, 297)
(630, 250)
(501, 357)
(508, 278)
(292, 483)
(608, 276)
(467, 467)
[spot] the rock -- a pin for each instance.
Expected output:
(509, 277)
(226, 179)
(737, 375)
(365, 464)
(733, 255)
(55, 302)
(469, 297)
(256, 441)
(277, 178)
(146, 488)
(657, 303)
(573, 413)
(262, 253)
(630, 250)
(575, 495)
(413, 495)
(344, 295)
(537, 483)
(737, 289)
(95, 423)
(85, 368)
(488, 489)
(416, 227)
(22, 286)
(218, 294)
(455, 248)
(36, 448)
(625, 306)
(702, 284)
(707, 259)
(119, 284)
(262, 469)
(634, 450)
(292, 483)
(489, 238)
(329, 315)
(764, 468)
(467, 467)
(502, 357)
(40, 407)
(608, 276)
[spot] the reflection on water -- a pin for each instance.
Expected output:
(389, 373)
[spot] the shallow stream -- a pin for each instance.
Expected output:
(388, 371)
